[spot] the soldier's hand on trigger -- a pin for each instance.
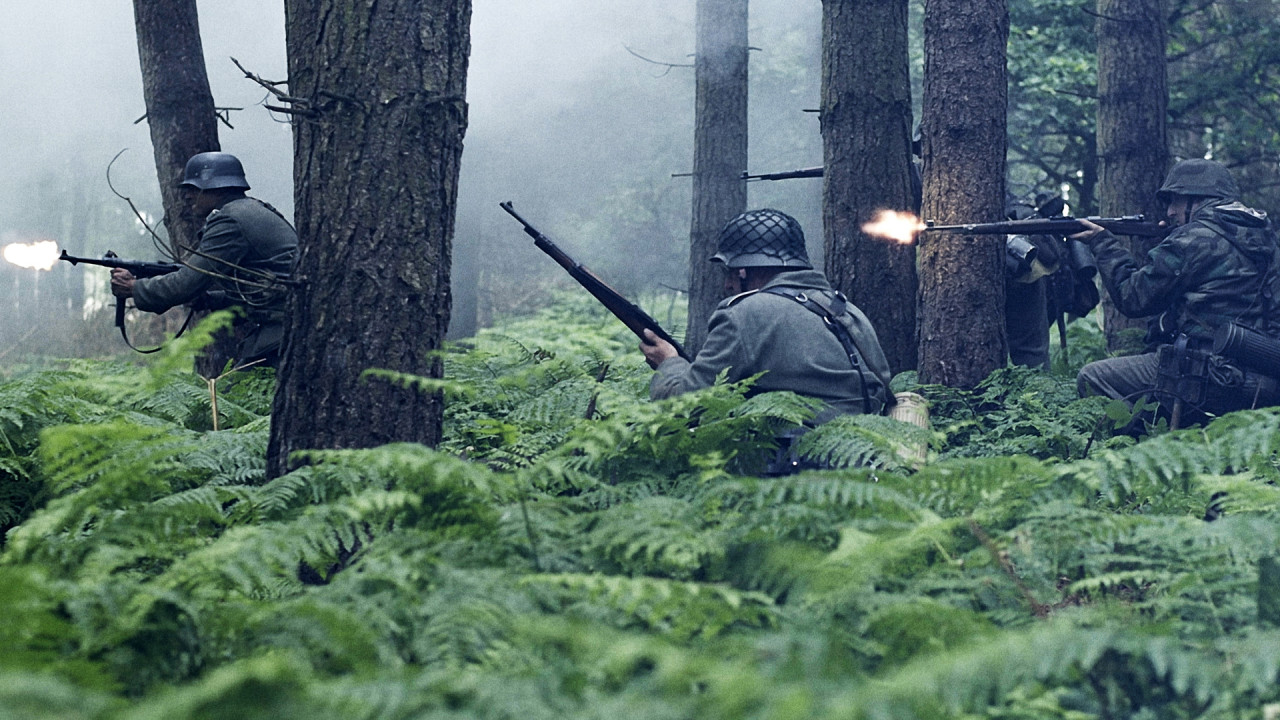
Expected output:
(656, 350)
(1091, 231)
(121, 283)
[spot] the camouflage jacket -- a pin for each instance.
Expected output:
(760, 332)
(1203, 275)
(243, 245)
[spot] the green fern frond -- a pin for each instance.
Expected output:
(681, 609)
(864, 441)
(659, 536)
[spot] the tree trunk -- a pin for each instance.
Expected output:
(377, 147)
(866, 136)
(963, 133)
(183, 122)
(1133, 149)
(180, 110)
(720, 150)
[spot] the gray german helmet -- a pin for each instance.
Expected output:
(213, 170)
(762, 238)
(1199, 178)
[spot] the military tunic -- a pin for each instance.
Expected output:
(760, 332)
(244, 245)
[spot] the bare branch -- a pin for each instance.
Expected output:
(155, 239)
(659, 63)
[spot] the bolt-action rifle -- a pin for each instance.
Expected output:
(1139, 225)
(629, 313)
(139, 269)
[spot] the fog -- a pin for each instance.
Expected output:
(576, 114)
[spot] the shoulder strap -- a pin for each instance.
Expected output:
(830, 318)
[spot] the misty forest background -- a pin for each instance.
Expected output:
(570, 549)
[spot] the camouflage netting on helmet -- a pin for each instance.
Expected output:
(763, 238)
(1199, 178)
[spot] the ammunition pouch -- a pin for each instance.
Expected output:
(1019, 255)
(1183, 372)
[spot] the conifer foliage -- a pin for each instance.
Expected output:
(573, 550)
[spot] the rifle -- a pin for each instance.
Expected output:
(811, 172)
(139, 269)
(636, 320)
(1139, 225)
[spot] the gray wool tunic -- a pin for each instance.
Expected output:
(759, 332)
(243, 243)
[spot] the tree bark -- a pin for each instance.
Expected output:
(180, 110)
(1133, 148)
(866, 137)
(720, 150)
(183, 122)
(963, 133)
(377, 147)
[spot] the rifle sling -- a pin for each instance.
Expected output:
(185, 324)
(837, 328)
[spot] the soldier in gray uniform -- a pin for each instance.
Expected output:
(785, 321)
(243, 257)
(1217, 267)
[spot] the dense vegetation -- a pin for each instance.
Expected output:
(573, 550)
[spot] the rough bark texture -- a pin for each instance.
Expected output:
(377, 146)
(720, 150)
(180, 110)
(963, 131)
(866, 137)
(1133, 152)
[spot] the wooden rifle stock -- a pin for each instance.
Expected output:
(629, 313)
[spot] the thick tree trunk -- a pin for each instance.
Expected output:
(866, 136)
(1133, 149)
(180, 110)
(377, 147)
(720, 150)
(963, 131)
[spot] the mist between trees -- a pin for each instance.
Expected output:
(580, 112)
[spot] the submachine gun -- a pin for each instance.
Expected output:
(636, 320)
(138, 268)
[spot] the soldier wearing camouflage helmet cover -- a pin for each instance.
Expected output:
(1217, 266)
(779, 322)
(242, 257)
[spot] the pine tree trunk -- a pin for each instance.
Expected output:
(720, 151)
(866, 136)
(180, 110)
(377, 147)
(963, 132)
(1133, 149)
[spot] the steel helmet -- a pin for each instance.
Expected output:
(762, 238)
(213, 170)
(1199, 178)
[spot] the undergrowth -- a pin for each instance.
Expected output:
(574, 550)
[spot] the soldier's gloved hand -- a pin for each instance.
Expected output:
(1091, 231)
(656, 350)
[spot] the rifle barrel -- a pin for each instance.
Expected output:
(636, 320)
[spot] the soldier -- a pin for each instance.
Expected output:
(242, 255)
(1217, 267)
(785, 321)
